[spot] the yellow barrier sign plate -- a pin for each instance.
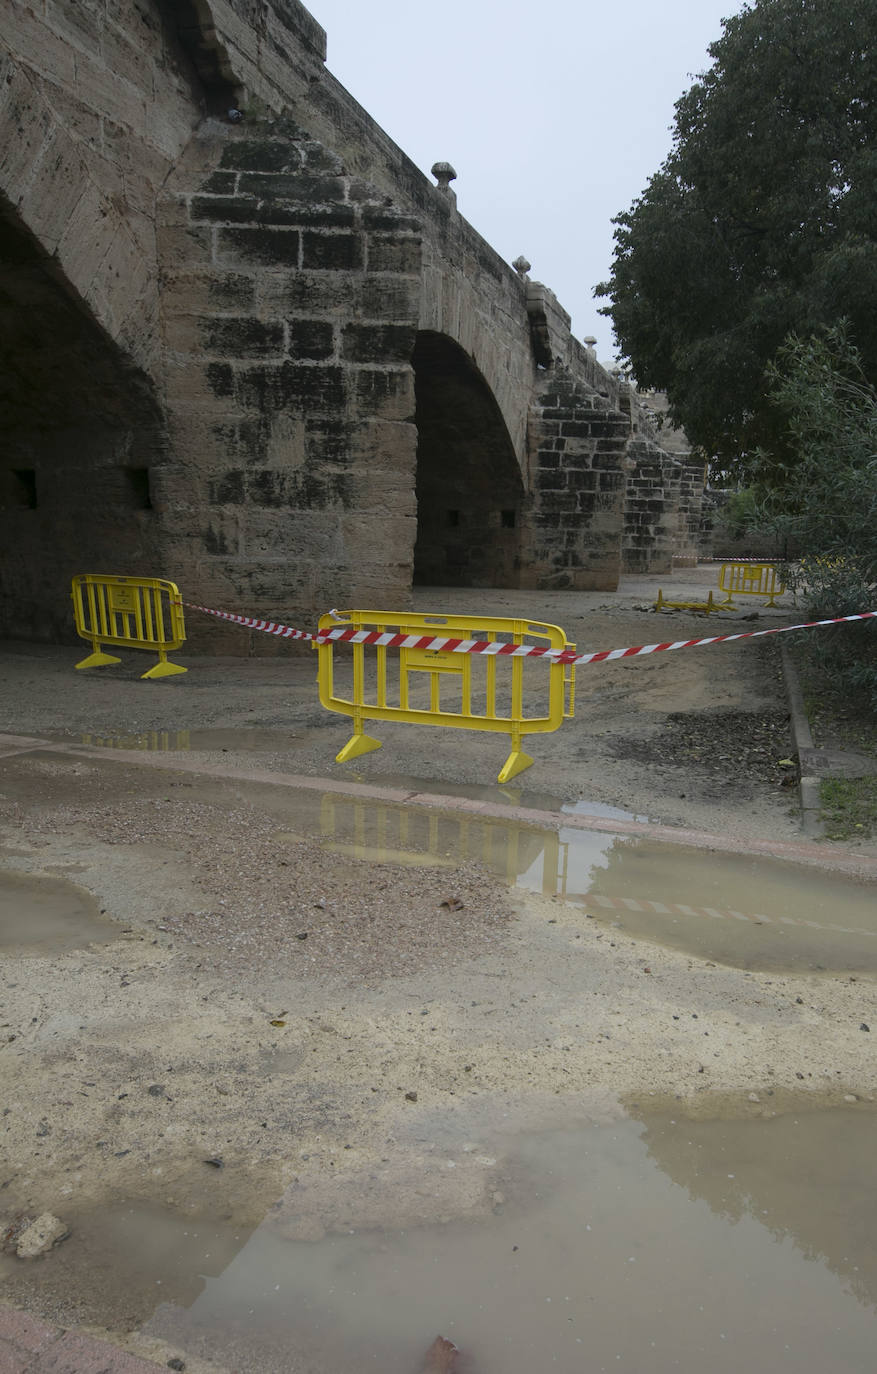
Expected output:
(122, 599)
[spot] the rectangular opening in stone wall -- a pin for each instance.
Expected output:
(18, 489)
(508, 519)
(452, 518)
(137, 488)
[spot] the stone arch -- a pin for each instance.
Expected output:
(60, 189)
(469, 296)
(79, 488)
(470, 494)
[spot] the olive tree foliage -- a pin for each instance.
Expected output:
(761, 221)
(822, 491)
(821, 495)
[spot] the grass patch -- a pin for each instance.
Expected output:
(849, 807)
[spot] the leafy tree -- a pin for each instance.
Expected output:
(823, 497)
(823, 489)
(760, 222)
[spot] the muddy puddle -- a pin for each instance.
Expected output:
(751, 913)
(653, 1245)
(43, 916)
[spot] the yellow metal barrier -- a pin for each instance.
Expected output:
(750, 579)
(708, 606)
(488, 691)
(131, 612)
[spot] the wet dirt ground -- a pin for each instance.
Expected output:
(271, 1025)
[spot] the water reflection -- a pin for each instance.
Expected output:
(617, 1248)
(806, 1176)
(749, 912)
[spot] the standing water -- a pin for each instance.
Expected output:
(657, 1245)
(752, 913)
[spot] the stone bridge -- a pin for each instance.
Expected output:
(248, 346)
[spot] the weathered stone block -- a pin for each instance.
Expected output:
(48, 201)
(329, 441)
(389, 394)
(220, 184)
(393, 298)
(261, 155)
(558, 501)
(242, 337)
(291, 385)
(221, 379)
(311, 339)
(368, 343)
(300, 189)
(267, 247)
(224, 209)
(393, 253)
(39, 48)
(549, 479)
(388, 218)
(227, 490)
(230, 290)
(338, 252)
(317, 158)
(307, 216)
(183, 246)
(108, 91)
(310, 293)
(270, 487)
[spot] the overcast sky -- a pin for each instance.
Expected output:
(553, 116)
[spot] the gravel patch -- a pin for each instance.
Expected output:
(272, 902)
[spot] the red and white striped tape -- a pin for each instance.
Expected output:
(498, 649)
(268, 627)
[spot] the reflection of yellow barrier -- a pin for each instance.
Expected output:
(708, 606)
(381, 833)
(750, 579)
(132, 612)
(486, 696)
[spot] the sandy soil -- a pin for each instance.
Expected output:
(270, 1025)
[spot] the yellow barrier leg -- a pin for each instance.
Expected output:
(356, 745)
(97, 660)
(163, 668)
(516, 762)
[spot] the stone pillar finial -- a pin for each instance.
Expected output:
(522, 267)
(590, 343)
(444, 175)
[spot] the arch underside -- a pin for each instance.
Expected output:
(81, 432)
(469, 488)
